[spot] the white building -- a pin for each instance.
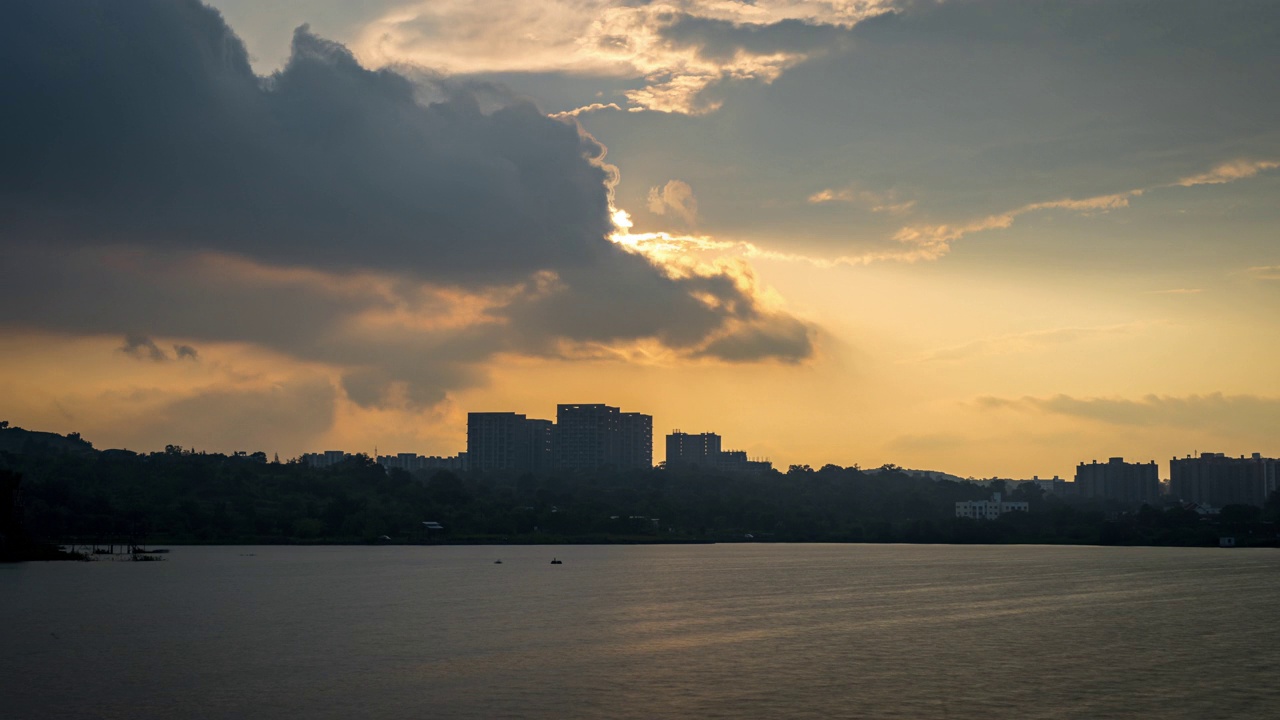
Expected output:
(988, 509)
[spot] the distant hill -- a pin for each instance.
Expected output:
(22, 441)
(934, 475)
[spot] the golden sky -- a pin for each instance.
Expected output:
(985, 237)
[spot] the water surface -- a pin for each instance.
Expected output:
(705, 631)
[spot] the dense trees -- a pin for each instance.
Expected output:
(180, 495)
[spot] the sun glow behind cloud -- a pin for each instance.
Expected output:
(868, 223)
(596, 37)
(923, 242)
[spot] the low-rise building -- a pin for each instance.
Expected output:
(1052, 486)
(412, 462)
(703, 450)
(989, 509)
(328, 458)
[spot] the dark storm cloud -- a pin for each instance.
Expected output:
(141, 122)
(142, 157)
(303, 314)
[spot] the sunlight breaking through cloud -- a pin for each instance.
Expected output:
(668, 45)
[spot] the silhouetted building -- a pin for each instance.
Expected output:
(327, 458)
(635, 440)
(1133, 483)
(412, 462)
(506, 441)
(686, 449)
(586, 436)
(1215, 480)
(988, 509)
(593, 436)
(737, 461)
(1052, 486)
(704, 450)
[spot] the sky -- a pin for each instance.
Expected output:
(987, 237)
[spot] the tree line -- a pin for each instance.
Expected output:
(72, 493)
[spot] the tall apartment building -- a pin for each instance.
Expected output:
(1216, 480)
(1133, 483)
(635, 440)
(592, 436)
(686, 449)
(507, 441)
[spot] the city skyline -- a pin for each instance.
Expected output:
(984, 237)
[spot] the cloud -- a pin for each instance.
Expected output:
(585, 109)
(675, 198)
(723, 40)
(931, 242)
(977, 111)
(153, 186)
(886, 202)
(935, 240)
(142, 348)
(926, 241)
(1264, 272)
(1227, 414)
(677, 49)
(1229, 171)
(779, 337)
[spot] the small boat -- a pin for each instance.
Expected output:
(497, 562)
(555, 561)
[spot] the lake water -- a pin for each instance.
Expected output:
(695, 631)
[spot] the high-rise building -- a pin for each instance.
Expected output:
(686, 449)
(507, 441)
(1133, 483)
(635, 440)
(586, 436)
(593, 436)
(1215, 480)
